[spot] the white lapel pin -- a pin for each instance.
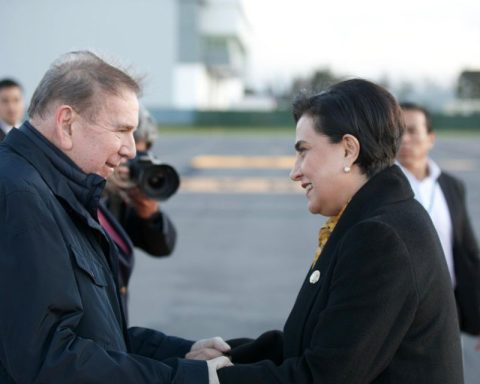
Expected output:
(315, 276)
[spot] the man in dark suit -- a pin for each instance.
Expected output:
(443, 196)
(11, 106)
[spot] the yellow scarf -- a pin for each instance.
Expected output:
(325, 233)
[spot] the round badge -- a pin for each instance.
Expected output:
(314, 277)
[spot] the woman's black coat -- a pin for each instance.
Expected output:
(383, 310)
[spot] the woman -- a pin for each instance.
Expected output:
(376, 305)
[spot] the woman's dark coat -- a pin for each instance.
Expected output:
(383, 310)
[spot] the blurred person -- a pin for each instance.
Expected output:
(376, 305)
(11, 106)
(443, 196)
(61, 316)
(131, 217)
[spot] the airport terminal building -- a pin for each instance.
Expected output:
(193, 53)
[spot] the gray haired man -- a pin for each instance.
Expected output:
(61, 319)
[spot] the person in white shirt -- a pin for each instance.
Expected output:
(443, 196)
(12, 106)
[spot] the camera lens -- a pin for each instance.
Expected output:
(160, 181)
(156, 182)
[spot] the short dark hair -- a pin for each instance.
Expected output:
(409, 106)
(362, 109)
(79, 79)
(9, 83)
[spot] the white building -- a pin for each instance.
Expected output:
(192, 52)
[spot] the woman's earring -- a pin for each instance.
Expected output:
(347, 169)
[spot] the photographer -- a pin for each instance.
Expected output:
(132, 218)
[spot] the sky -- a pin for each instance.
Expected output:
(399, 40)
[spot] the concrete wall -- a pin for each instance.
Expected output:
(142, 34)
(161, 39)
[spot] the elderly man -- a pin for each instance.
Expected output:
(61, 319)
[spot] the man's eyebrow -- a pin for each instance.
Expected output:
(299, 144)
(126, 127)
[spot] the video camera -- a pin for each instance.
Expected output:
(156, 179)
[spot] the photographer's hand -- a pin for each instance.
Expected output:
(120, 184)
(145, 206)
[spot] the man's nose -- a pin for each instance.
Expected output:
(128, 149)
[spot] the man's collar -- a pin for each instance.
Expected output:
(434, 170)
(433, 173)
(66, 180)
(7, 127)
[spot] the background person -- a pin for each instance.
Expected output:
(12, 106)
(443, 196)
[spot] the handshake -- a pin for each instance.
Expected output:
(213, 351)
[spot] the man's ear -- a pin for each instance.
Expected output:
(64, 119)
(351, 146)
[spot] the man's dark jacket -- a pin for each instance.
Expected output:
(466, 255)
(382, 311)
(155, 235)
(61, 319)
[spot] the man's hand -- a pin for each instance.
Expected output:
(207, 349)
(215, 364)
(477, 346)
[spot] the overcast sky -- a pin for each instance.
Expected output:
(407, 39)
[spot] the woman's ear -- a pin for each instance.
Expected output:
(351, 146)
(64, 119)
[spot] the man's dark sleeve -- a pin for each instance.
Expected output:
(467, 269)
(41, 308)
(156, 345)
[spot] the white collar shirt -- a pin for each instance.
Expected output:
(430, 195)
(5, 127)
